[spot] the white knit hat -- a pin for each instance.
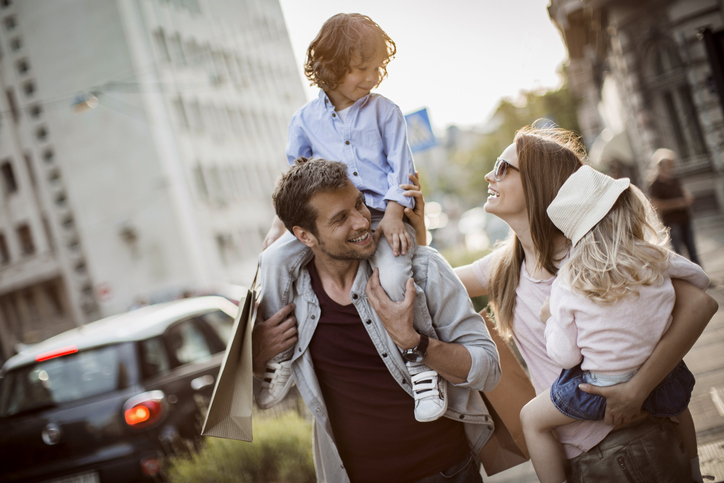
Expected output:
(583, 200)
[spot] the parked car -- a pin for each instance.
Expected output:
(106, 401)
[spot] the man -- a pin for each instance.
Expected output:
(672, 201)
(348, 363)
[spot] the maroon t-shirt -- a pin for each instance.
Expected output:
(666, 190)
(372, 417)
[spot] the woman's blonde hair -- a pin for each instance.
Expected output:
(623, 251)
(546, 158)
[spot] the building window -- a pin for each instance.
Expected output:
(52, 295)
(29, 88)
(26, 240)
(9, 181)
(162, 46)
(48, 156)
(23, 66)
(675, 113)
(41, 133)
(12, 104)
(181, 113)
(10, 23)
(4, 252)
(201, 182)
(6, 3)
(36, 111)
(16, 44)
(31, 171)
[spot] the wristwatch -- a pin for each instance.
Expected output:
(417, 353)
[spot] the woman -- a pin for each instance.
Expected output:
(517, 278)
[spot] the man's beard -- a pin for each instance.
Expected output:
(346, 254)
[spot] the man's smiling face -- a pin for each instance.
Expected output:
(344, 230)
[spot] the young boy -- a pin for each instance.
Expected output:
(367, 132)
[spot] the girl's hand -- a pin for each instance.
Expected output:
(416, 216)
(545, 311)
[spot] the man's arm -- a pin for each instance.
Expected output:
(692, 311)
(271, 337)
(471, 360)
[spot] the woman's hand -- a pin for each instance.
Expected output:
(416, 216)
(623, 402)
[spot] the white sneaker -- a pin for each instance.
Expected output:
(276, 382)
(430, 392)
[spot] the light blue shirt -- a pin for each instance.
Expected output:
(372, 142)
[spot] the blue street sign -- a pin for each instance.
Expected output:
(419, 131)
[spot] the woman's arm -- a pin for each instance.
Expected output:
(472, 285)
(692, 311)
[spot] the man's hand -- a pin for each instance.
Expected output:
(623, 403)
(272, 337)
(393, 228)
(545, 311)
(416, 216)
(276, 230)
(397, 317)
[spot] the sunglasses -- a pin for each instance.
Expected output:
(501, 168)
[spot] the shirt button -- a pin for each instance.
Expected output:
(354, 296)
(334, 114)
(355, 173)
(384, 355)
(462, 416)
(300, 349)
(368, 322)
(314, 317)
(346, 142)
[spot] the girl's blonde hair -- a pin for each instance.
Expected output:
(623, 251)
(546, 158)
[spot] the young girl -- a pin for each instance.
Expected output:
(609, 307)
(367, 132)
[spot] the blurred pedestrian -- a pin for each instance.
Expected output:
(672, 201)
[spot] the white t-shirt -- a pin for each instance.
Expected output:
(342, 115)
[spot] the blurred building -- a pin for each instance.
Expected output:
(649, 74)
(139, 144)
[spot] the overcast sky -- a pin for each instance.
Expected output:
(458, 58)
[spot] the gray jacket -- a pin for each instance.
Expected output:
(442, 310)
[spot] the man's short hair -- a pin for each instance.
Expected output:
(296, 187)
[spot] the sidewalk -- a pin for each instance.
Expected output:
(706, 361)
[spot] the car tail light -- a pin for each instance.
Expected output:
(145, 409)
(63, 351)
(150, 466)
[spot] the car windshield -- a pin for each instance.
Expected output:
(63, 379)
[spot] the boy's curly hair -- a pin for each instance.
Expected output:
(342, 37)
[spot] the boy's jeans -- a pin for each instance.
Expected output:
(647, 451)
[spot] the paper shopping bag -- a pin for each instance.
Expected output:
(229, 414)
(506, 447)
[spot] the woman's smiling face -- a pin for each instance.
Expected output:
(505, 197)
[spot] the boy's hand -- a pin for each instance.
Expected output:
(545, 311)
(416, 216)
(276, 230)
(394, 229)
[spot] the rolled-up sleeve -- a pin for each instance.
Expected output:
(455, 321)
